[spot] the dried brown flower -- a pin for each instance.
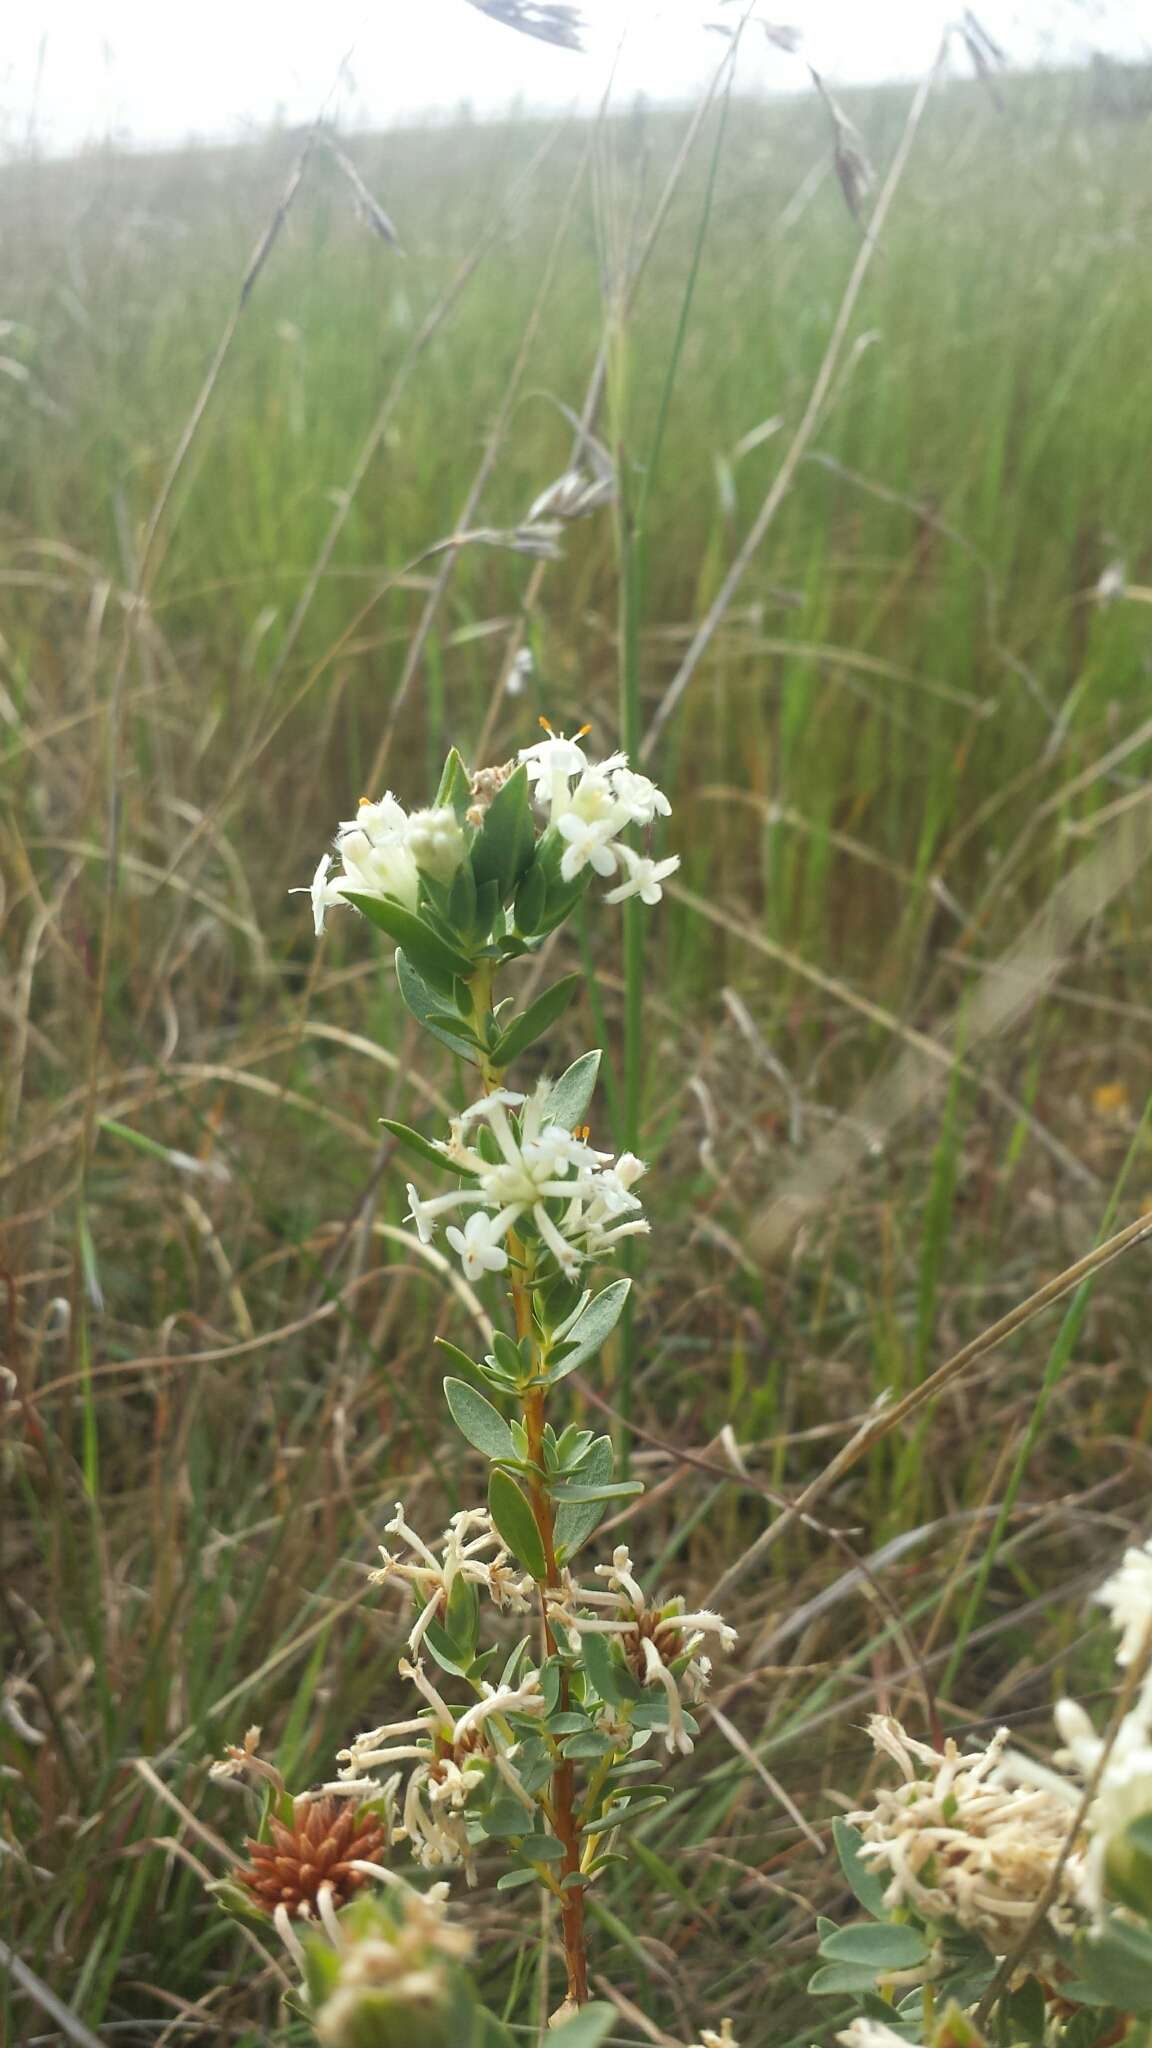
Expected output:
(324, 1838)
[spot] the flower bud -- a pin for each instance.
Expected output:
(436, 842)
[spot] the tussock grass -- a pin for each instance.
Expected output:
(894, 1055)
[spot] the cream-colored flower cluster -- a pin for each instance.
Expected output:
(955, 1844)
(661, 1643)
(470, 1549)
(451, 1751)
(578, 1201)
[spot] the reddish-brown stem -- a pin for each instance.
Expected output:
(562, 1802)
(563, 1796)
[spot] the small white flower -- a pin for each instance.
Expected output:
(589, 845)
(866, 2033)
(477, 1246)
(552, 764)
(421, 1214)
(380, 821)
(323, 893)
(594, 798)
(639, 796)
(644, 876)
(553, 756)
(379, 867)
(1128, 1597)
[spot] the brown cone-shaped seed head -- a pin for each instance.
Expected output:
(324, 1837)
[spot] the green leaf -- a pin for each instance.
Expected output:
(1118, 1966)
(430, 956)
(479, 1423)
(513, 1878)
(869, 1888)
(530, 899)
(1027, 2011)
(610, 1489)
(516, 1523)
(533, 1022)
(438, 1017)
(612, 1682)
(587, 2029)
(506, 1816)
(462, 898)
(591, 1330)
(1139, 1833)
(583, 1747)
(626, 1814)
(542, 1848)
(506, 841)
(455, 1352)
(507, 1355)
(448, 1653)
(878, 1945)
(455, 786)
(571, 1094)
(839, 1977)
(422, 1149)
(576, 1520)
(462, 1614)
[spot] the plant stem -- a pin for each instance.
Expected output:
(562, 1800)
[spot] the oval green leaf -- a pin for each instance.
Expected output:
(516, 1523)
(479, 1423)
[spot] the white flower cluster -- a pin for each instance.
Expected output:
(384, 850)
(590, 804)
(1124, 1790)
(452, 1753)
(469, 1535)
(959, 1845)
(578, 1201)
(661, 1643)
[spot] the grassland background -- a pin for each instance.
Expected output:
(918, 731)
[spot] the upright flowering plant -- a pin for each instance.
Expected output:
(532, 1755)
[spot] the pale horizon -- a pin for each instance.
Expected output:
(72, 76)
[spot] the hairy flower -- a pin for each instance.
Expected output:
(451, 1751)
(659, 1641)
(545, 1181)
(470, 1549)
(376, 857)
(959, 1845)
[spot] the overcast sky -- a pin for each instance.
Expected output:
(74, 71)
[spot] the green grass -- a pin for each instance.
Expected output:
(916, 731)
